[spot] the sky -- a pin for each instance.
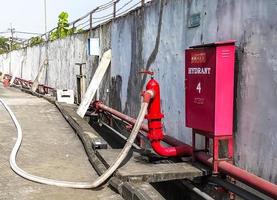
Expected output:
(28, 15)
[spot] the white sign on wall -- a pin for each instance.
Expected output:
(93, 47)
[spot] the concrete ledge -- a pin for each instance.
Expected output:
(51, 99)
(142, 191)
(131, 191)
(137, 170)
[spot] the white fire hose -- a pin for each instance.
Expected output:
(81, 185)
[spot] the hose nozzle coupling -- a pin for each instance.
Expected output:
(147, 95)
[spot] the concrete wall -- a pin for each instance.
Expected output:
(63, 54)
(155, 38)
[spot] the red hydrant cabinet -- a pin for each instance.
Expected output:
(209, 85)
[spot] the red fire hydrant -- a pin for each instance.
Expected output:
(154, 117)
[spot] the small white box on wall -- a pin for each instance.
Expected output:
(65, 96)
(93, 47)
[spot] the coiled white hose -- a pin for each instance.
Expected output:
(81, 185)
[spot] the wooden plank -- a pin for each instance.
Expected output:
(137, 170)
(95, 82)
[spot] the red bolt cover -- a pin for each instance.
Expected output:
(154, 115)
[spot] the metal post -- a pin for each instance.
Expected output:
(114, 8)
(142, 3)
(90, 22)
(73, 27)
(45, 17)
(12, 31)
(11, 38)
(46, 41)
(81, 83)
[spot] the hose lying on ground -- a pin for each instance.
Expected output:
(81, 185)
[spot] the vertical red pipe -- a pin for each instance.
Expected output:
(155, 129)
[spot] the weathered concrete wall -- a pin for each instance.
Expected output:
(155, 38)
(63, 54)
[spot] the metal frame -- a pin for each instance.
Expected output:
(216, 149)
(27, 84)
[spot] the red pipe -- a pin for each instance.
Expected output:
(170, 151)
(176, 149)
(26, 83)
(98, 105)
(249, 179)
(155, 128)
(252, 180)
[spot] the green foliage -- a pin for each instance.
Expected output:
(4, 45)
(79, 31)
(36, 41)
(63, 28)
(15, 46)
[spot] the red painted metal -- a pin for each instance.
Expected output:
(177, 147)
(155, 128)
(170, 151)
(146, 72)
(98, 105)
(249, 179)
(147, 96)
(6, 82)
(154, 115)
(209, 89)
(200, 92)
(27, 84)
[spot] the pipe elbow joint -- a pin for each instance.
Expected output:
(170, 151)
(96, 105)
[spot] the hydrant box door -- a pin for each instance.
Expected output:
(200, 88)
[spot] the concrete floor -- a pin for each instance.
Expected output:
(50, 149)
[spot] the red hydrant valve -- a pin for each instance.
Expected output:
(154, 115)
(147, 72)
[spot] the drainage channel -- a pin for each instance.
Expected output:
(206, 187)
